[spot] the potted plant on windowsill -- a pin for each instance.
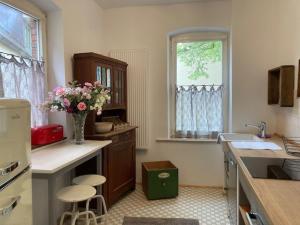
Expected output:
(78, 100)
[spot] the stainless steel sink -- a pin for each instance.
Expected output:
(273, 168)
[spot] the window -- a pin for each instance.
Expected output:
(198, 70)
(22, 72)
(19, 32)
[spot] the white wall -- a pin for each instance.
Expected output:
(147, 28)
(252, 56)
(265, 34)
(83, 30)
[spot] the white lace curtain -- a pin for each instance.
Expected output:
(199, 110)
(24, 78)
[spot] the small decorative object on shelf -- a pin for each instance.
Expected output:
(78, 100)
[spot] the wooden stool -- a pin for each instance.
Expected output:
(74, 194)
(93, 181)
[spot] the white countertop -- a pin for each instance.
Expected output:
(52, 158)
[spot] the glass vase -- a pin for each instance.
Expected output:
(79, 121)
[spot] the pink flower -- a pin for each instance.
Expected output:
(88, 84)
(67, 102)
(59, 91)
(81, 106)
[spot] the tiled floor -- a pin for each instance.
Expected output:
(206, 204)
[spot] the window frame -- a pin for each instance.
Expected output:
(188, 36)
(31, 10)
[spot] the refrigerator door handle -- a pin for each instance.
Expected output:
(10, 207)
(9, 168)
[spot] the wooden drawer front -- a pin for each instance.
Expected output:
(125, 137)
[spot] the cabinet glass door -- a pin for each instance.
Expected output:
(103, 74)
(119, 88)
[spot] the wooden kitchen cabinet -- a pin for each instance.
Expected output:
(118, 159)
(119, 167)
(118, 164)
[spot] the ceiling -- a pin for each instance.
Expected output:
(106, 4)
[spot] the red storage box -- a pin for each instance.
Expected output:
(47, 134)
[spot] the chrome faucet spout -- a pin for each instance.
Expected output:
(250, 125)
(262, 128)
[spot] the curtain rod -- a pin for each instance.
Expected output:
(28, 58)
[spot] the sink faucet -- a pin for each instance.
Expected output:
(262, 128)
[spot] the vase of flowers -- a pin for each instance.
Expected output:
(78, 100)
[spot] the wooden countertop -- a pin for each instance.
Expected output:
(52, 158)
(112, 133)
(280, 199)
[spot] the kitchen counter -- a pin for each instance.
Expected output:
(279, 199)
(52, 158)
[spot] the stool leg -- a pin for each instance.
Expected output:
(63, 217)
(104, 207)
(93, 217)
(103, 204)
(87, 208)
(74, 219)
(87, 213)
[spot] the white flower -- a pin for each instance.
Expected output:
(54, 108)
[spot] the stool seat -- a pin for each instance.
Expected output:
(91, 180)
(76, 193)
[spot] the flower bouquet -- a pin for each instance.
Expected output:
(78, 100)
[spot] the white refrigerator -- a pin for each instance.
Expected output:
(15, 174)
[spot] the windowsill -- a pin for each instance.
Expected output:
(188, 140)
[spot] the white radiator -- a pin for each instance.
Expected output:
(137, 91)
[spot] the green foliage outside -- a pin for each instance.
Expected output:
(197, 55)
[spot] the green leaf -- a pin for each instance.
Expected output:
(197, 55)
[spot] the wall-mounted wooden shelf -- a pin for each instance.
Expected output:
(281, 86)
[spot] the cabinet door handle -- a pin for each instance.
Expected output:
(6, 210)
(9, 168)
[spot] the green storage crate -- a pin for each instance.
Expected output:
(160, 180)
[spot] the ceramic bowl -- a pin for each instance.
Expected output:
(103, 127)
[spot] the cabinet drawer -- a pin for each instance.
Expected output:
(124, 137)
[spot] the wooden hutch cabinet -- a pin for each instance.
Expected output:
(118, 159)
